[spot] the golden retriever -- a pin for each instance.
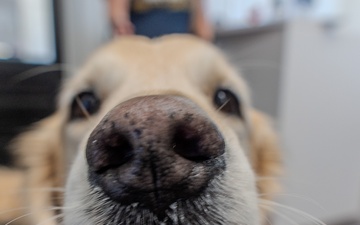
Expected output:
(156, 132)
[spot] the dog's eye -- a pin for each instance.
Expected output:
(227, 102)
(84, 104)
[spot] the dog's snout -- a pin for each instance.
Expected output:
(156, 146)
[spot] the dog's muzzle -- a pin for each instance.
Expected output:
(154, 151)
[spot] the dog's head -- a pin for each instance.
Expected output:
(158, 132)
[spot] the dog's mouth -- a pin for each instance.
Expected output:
(163, 200)
(198, 209)
(155, 154)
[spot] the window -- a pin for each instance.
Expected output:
(27, 31)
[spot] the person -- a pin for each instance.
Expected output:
(155, 18)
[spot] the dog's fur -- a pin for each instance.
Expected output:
(128, 68)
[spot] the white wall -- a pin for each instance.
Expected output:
(85, 27)
(320, 122)
(350, 19)
(27, 31)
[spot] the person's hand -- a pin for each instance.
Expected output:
(201, 26)
(123, 26)
(203, 29)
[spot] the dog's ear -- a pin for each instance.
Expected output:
(265, 154)
(39, 152)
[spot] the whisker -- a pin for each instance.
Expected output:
(50, 190)
(46, 189)
(19, 217)
(223, 105)
(310, 200)
(83, 109)
(280, 214)
(33, 72)
(293, 210)
(268, 220)
(45, 209)
(13, 210)
(51, 218)
(267, 178)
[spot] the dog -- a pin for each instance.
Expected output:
(149, 131)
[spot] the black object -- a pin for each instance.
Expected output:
(26, 94)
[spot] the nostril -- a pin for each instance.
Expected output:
(119, 150)
(110, 151)
(191, 143)
(186, 143)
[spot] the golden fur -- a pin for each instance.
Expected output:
(43, 152)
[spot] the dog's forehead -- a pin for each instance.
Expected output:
(169, 62)
(163, 57)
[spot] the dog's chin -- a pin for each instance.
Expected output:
(162, 196)
(202, 208)
(223, 201)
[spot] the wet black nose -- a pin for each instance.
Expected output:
(154, 150)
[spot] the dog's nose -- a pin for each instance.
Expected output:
(154, 150)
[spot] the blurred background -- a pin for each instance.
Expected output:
(300, 57)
